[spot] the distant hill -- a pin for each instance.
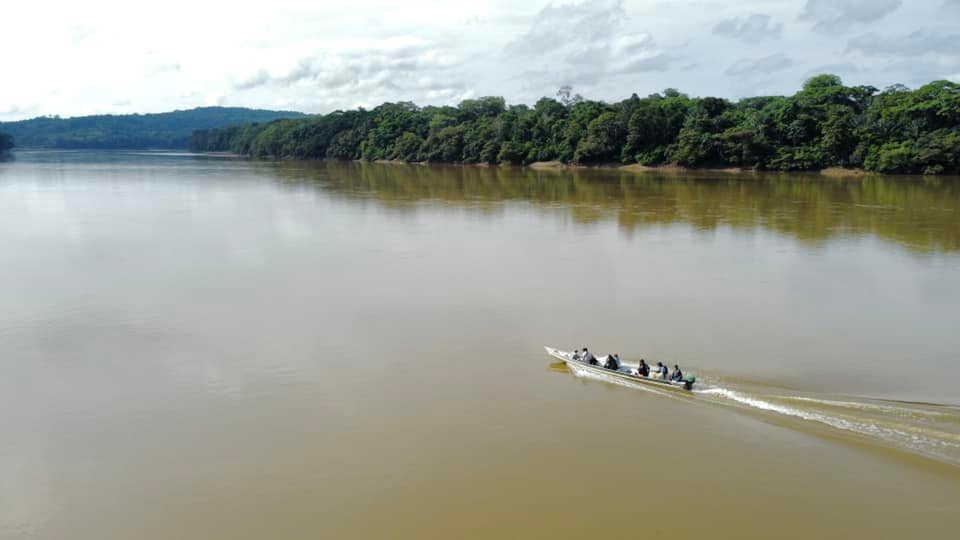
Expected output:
(161, 130)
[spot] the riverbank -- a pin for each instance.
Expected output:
(834, 172)
(558, 166)
(837, 172)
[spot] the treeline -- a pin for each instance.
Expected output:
(130, 131)
(6, 142)
(825, 124)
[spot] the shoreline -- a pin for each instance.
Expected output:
(833, 172)
(558, 166)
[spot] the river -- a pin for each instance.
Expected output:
(207, 347)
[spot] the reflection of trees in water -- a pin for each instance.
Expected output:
(922, 214)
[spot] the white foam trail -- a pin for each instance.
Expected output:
(907, 412)
(924, 441)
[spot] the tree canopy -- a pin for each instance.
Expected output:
(162, 130)
(6, 142)
(824, 124)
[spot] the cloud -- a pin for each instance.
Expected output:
(260, 78)
(749, 29)
(79, 32)
(17, 109)
(760, 66)
(400, 64)
(319, 58)
(847, 68)
(657, 62)
(829, 16)
(557, 27)
(215, 99)
(916, 72)
(591, 56)
(586, 44)
(171, 67)
(917, 43)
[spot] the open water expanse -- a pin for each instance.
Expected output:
(199, 347)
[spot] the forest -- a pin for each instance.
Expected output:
(825, 124)
(6, 142)
(170, 130)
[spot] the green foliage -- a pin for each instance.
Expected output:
(511, 153)
(444, 145)
(6, 142)
(825, 124)
(407, 147)
(163, 130)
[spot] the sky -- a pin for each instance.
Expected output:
(105, 56)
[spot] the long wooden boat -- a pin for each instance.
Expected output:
(623, 373)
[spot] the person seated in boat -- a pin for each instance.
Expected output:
(661, 371)
(589, 358)
(677, 375)
(613, 362)
(643, 369)
(575, 355)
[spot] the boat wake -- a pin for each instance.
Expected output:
(926, 429)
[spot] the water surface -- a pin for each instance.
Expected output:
(198, 347)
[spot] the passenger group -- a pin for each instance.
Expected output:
(643, 370)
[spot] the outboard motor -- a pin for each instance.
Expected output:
(688, 382)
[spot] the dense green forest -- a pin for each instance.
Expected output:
(6, 142)
(825, 124)
(162, 130)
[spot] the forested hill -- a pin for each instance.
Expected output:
(825, 124)
(161, 130)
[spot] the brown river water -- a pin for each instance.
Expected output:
(199, 347)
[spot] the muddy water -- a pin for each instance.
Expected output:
(213, 348)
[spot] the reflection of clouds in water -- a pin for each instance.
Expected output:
(26, 496)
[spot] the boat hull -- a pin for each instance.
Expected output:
(565, 357)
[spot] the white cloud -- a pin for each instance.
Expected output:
(917, 43)
(831, 16)
(752, 28)
(760, 66)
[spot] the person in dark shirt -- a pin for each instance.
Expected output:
(643, 369)
(613, 362)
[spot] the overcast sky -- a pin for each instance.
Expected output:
(104, 56)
